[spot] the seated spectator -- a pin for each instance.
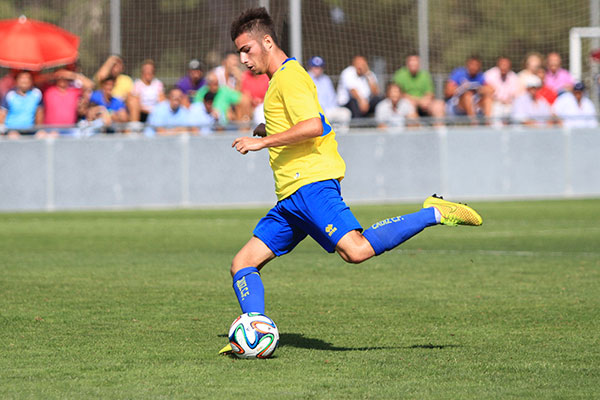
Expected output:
(229, 73)
(254, 87)
(466, 91)
(109, 104)
(394, 109)
(506, 87)
(148, 90)
(338, 116)
(169, 117)
(225, 102)
(557, 78)
(575, 109)
(22, 107)
(417, 86)
(123, 84)
(193, 81)
(7, 82)
(533, 62)
(202, 115)
(61, 100)
(358, 89)
(545, 91)
(530, 109)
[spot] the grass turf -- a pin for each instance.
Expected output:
(137, 304)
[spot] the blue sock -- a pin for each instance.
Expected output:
(389, 233)
(249, 290)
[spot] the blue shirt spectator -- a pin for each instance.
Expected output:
(461, 76)
(114, 104)
(466, 91)
(169, 117)
(202, 115)
(22, 107)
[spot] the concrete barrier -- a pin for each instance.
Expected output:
(137, 172)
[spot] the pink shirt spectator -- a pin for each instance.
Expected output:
(60, 106)
(505, 90)
(558, 81)
(149, 94)
(255, 85)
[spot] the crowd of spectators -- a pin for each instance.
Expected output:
(65, 102)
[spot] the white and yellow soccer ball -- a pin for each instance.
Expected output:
(253, 335)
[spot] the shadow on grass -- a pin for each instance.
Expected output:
(300, 341)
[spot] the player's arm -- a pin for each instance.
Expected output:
(300, 132)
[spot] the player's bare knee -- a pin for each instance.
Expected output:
(354, 255)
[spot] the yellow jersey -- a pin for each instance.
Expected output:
(290, 99)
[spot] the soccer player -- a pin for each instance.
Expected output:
(307, 169)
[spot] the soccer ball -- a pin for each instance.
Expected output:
(253, 335)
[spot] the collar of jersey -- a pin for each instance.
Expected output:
(282, 64)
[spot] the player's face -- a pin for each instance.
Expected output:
(252, 53)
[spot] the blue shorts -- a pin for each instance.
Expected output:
(316, 209)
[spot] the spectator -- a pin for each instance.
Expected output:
(193, 81)
(103, 98)
(22, 107)
(530, 109)
(394, 109)
(358, 89)
(506, 87)
(114, 67)
(228, 103)
(337, 116)
(62, 100)
(533, 62)
(202, 115)
(229, 73)
(7, 82)
(545, 92)
(557, 78)
(575, 109)
(417, 86)
(169, 117)
(254, 88)
(123, 84)
(148, 90)
(467, 92)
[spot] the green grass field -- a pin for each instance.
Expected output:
(136, 305)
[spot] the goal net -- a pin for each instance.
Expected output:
(171, 32)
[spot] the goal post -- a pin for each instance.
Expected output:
(575, 53)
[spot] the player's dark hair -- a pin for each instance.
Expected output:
(254, 20)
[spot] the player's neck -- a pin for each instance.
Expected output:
(276, 60)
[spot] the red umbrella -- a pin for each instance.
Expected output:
(35, 45)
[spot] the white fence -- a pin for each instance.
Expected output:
(138, 172)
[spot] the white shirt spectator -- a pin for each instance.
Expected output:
(349, 80)
(386, 114)
(573, 114)
(149, 94)
(526, 109)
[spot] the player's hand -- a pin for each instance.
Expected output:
(260, 130)
(246, 144)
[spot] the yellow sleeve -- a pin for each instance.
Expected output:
(299, 96)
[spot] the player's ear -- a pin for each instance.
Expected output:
(268, 42)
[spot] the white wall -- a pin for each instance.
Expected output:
(133, 172)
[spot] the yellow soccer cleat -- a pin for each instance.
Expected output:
(453, 213)
(226, 350)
